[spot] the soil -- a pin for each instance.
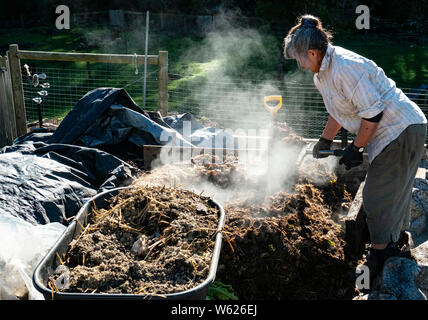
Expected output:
(49, 124)
(222, 174)
(152, 240)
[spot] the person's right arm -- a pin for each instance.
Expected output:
(331, 128)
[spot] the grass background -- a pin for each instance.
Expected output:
(405, 61)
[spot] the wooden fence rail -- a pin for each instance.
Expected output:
(12, 104)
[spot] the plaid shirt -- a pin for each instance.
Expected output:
(354, 87)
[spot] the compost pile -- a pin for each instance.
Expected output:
(288, 247)
(152, 240)
(288, 244)
(222, 173)
(285, 133)
(205, 169)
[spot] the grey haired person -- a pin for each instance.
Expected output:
(360, 98)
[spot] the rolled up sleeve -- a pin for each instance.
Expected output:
(358, 88)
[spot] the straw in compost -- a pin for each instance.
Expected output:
(151, 240)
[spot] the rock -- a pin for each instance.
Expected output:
(385, 296)
(376, 295)
(140, 247)
(420, 254)
(418, 226)
(415, 210)
(421, 184)
(361, 297)
(403, 279)
(419, 208)
(420, 198)
(420, 239)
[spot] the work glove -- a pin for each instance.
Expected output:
(352, 156)
(322, 144)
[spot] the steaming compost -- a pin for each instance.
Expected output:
(288, 247)
(290, 244)
(283, 243)
(152, 240)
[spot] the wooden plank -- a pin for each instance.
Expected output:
(3, 62)
(356, 203)
(163, 82)
(87, 57)
(17, 90)
(356, 230)
(7, 117)
(9, 102)
(3, 105)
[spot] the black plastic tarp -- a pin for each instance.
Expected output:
(109, 116)
(43, 183)
(46, 176)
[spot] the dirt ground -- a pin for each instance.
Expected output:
(49, 124)
(153, 240)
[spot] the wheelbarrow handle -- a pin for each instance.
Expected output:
(336, 152)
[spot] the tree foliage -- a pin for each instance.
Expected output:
(274, 12)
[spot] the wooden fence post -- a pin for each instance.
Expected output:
(7, 113)
(163, 82)
(3, 122)
(17, 89)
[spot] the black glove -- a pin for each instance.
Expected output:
(322, 144)
(352, 156)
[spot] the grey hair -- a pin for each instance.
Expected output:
(308, 34)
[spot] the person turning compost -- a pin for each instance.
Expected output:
(360, 98)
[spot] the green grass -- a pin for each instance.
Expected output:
(247, 56)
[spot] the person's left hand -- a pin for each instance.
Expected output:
(352, 156)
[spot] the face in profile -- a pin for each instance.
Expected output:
(312, 61)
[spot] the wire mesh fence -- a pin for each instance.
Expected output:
(67, 85)
(234, 104)
(240, 104)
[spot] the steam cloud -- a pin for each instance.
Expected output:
(240, 106)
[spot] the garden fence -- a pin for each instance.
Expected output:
(231, 103)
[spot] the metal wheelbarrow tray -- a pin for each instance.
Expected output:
(49, 263)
